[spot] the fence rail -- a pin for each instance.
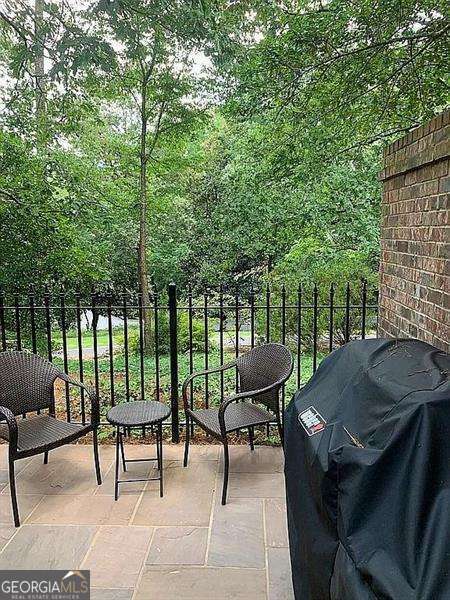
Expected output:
(100, 337)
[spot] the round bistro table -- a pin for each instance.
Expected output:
(129, 415)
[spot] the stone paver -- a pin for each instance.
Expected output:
(85, 510)
(47, 547)
(263, 459)
(237, 536)
(3, 479)
(111, 594)
(59, 476)
(83, 452)
(199, 583)
(197, 476)
(117, 555)
(184, 546)
(6, 533)
(276, 522)
(136, 450)
(19, 465)
(178, 546)
(187, 498)
(196, 453)
(27, 503)
(256, 485)
(138, 470)
(280, 580)
(178, 507)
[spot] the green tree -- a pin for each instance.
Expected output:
(129, 151)
(345, 73)
(154, 42)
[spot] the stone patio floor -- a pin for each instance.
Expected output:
(185, 546)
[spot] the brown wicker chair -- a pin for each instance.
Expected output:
(262, 371)
(27, 385)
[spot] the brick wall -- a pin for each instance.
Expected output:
(415, 235)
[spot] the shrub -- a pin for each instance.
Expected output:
(311, 262)
(198, 332)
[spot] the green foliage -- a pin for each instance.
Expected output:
(312, 262)
(46, 228)
(251, 205)
(184, 342)
(198, 334)
(344, 74)
(261, 164)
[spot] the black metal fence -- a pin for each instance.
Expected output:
(130, 350)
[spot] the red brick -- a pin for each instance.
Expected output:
(415, 267)
(444, 185)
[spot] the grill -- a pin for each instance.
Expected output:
(367, 445)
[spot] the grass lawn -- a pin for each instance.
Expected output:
(87, 340)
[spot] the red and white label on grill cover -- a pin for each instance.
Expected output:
(312, 421)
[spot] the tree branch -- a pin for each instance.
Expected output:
(377, 138)
(9, 197)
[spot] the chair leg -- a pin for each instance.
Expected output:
(226, 465)
(12, 486)
(160, 453)
(116, 473)
(158, 456)
(96, 458)
(186, 443)
(46, 458)
(122, 452)
(280, 429)
(250, 438)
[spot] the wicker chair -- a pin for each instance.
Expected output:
(27, 385)
(262, 371)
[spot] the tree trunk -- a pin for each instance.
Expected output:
(39, 73)
(142, 248)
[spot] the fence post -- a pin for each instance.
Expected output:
(173, 335)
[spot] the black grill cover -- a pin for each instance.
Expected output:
(368, 494)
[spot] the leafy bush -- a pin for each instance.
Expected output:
(198, 333)
(313, 262)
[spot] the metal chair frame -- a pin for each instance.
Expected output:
(27, 386)
(268, 394)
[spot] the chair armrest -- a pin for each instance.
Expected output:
(241, 396)
(6, 414)
(95, 404)
(188, 380)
